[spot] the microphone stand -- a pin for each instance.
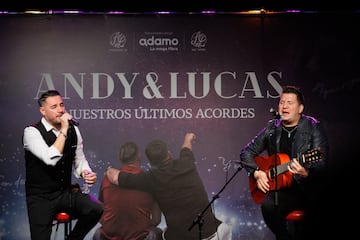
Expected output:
(276, 117)
(199, 218)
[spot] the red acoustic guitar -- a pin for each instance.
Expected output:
(283, 175)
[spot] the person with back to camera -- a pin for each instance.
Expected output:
(53, 146)
(303, 140)
(179, 190)
(129, 214)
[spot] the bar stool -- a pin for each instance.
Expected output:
(66, 219)
(294, 220)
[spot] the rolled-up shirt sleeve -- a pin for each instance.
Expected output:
(34, 142)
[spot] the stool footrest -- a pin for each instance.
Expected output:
(295, 215)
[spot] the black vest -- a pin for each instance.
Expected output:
(42, 178)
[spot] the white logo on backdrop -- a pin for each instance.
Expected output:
(198, 41)
(118, 41)
(159, 41)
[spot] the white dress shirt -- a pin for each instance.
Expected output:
(35, 143)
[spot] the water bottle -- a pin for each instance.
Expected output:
(85, 187)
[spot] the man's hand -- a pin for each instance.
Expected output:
(89, 177)
(189, 138)
(112, 174)
(262, 181)
(296, 168)
(65, 122)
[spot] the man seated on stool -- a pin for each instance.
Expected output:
(53, 147)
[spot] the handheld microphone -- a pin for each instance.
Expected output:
(74, 122)
(275, 113)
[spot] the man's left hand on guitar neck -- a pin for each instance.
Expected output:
(296, 168)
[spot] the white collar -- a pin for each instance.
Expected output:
(47, 125)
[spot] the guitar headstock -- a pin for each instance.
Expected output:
(311, 156)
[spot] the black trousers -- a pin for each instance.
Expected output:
(277, 205)
(43, 207)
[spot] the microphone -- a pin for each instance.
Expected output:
(74, 122)
(275, 113)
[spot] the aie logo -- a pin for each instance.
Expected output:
(118, 40)
(198, 39)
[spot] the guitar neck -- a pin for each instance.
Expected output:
(279, 169)
(304, 159)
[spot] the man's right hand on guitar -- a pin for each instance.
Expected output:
(262, 181)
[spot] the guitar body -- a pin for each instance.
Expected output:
(280, 171)
(267, 164)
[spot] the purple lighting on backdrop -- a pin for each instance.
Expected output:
(293, 11)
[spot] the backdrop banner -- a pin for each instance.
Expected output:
(146, 76)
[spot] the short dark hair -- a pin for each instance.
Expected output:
(128, 152)
(45, 95)
(296, 91)
(156, 151)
